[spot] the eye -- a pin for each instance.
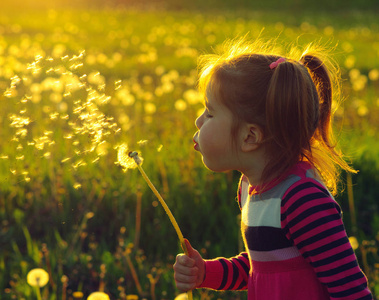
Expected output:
(208, 115)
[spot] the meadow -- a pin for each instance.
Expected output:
(75, 84)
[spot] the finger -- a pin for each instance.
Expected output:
(188, 248)
(184, 278)
(186, 271)
(184, 287)
(184, 260)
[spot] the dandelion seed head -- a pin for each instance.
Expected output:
(124, 159)
(37, 277)
(98, 296)
(182, 296)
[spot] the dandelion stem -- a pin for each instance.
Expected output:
(350, 196)
(38, 293)
(166, 208)
(136, 158)
(134, 272)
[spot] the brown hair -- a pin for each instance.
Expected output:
(292, 103)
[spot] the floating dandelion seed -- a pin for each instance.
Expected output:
(77, 186)
(37, 277)
(142, 142)
(134, 156)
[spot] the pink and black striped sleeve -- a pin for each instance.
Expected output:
(311, 219)
(227, 274)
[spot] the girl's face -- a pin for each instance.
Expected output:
(213, 139)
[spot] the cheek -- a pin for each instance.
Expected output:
(213, 140)
(206, 137)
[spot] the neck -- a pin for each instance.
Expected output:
(253, 168)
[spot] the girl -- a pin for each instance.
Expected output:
(269, 117)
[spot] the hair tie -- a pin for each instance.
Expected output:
(276, 63)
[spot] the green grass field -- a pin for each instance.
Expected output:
(76, 83)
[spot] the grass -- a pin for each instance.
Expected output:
(65, 205)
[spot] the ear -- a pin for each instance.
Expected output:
(252, 137)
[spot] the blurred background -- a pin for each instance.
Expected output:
(80, 78)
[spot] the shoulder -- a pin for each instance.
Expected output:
(308, 202)
(308, 194)
(306, 189)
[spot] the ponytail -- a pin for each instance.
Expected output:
(298, 119)
(322, 81)
(326, 158)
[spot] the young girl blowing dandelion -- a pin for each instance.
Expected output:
(269, 117)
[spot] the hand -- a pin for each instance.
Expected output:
(189, 270)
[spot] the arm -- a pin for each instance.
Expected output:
(227, 274)
(312, 220)
(219, 274)
(233, 273)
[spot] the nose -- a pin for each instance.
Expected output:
(199, 121)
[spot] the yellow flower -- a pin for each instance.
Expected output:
(132, 297)
(183, 296)
(77, 295)
(180, 105)
(37, 277)
(98, 296)
(354, 242)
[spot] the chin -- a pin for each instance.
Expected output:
(214, 168)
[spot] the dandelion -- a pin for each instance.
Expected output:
(123, 158)
(180, 105)
(123, 161)
(90, 215)
(77, 295)
(354, 242)
(182, 296)
(37, 278)
(373, 75)
(350, 61)
(98, 296)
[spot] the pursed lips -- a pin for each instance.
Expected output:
(196, 144)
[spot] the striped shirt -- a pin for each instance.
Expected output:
(294, 223)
